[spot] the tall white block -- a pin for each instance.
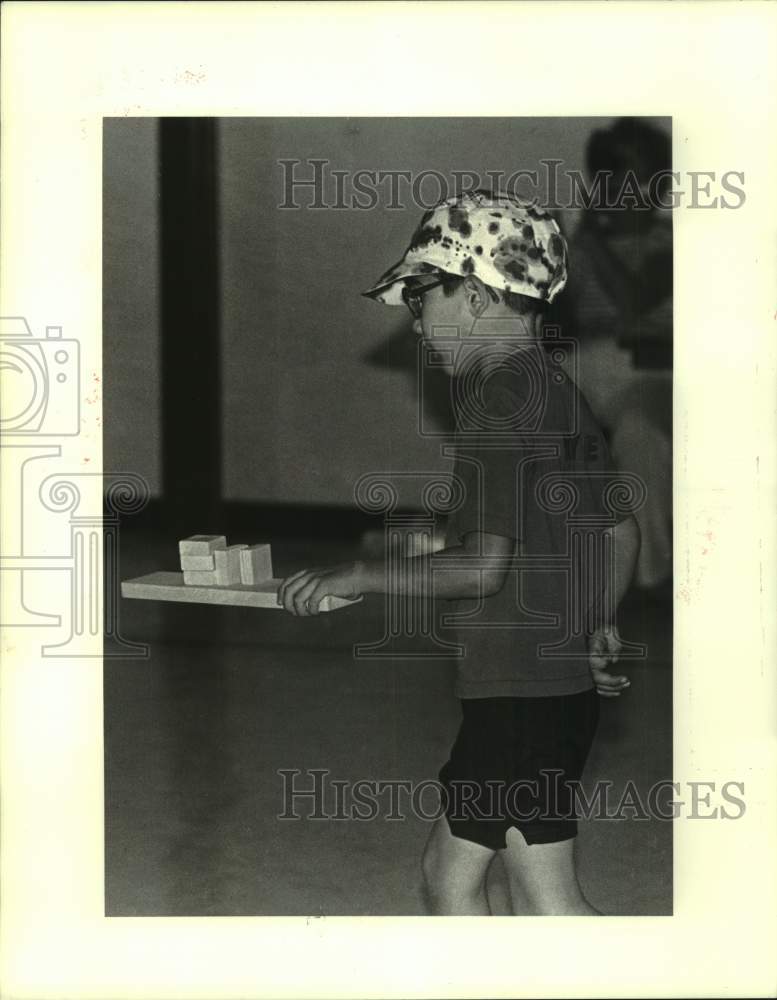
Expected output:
(256, 564)
(228, 564)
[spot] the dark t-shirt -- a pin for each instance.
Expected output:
(533, 466)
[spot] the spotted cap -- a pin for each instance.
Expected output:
(509, 245)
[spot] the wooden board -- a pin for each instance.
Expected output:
(166, 586)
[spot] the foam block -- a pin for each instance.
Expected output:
(201, 545)
(228, 564)
(256, 564)
(200, 578)
(198, 563)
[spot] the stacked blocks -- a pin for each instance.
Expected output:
(207, 561)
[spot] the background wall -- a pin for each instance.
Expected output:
(315, 379)
(131, 299)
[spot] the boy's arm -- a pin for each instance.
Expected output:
(625, 539)
(603, 642)
(477, 568)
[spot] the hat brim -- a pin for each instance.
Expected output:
(388, 288)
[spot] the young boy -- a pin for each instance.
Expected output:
(534, 604)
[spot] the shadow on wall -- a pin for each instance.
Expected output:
(399, 353)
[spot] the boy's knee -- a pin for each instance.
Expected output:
(447, 875)
(442, 892)
(431, 866)
(442, 882)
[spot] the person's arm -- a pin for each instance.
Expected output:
(634, 293)
(477, 568)
(603, 641)
(625, 539)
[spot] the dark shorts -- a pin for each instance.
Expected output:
(510, 764)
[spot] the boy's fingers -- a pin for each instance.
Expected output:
(292, 591)
(610, 691)
(316, 598)
(607, 680)
(285, 589)
(615, 688)
(613, 683)
(302, 595)
(286, 583)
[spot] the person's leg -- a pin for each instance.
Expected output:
(454, 872)
(546, 875)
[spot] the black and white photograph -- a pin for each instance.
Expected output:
(387, 478)
(401, 393)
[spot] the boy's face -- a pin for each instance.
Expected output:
(443, 315)
(453, 317)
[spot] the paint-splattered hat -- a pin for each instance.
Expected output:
(509, 245)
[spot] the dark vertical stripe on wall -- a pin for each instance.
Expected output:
(190, 349)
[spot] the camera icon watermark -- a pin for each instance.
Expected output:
(471, 360)
(40, 381)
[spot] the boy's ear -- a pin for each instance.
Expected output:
(475, 295)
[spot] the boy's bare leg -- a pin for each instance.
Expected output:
(546, 875)
(455, 874)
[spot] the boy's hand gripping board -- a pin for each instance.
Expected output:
(215, 573)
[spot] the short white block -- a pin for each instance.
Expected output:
(256, 564)
(201, 545)
(198, 563)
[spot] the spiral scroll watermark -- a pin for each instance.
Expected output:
(409, 541)
(95, 504)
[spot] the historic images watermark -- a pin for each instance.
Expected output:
(314, 183)
(42, 392)
(315, 794)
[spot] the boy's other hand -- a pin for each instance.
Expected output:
(301, 593)
(604, 645)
